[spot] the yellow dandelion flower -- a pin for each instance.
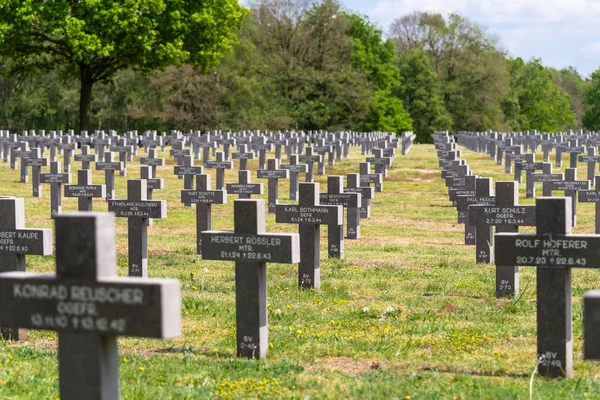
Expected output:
(142, 368)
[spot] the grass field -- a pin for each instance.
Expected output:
(447, 337)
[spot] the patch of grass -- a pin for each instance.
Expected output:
(447, 336)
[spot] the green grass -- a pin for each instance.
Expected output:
(448, 336)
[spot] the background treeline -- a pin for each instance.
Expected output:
(315, 65)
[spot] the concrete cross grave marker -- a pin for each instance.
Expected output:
(244, 188)
(220, 164)
(243, 155)
(89, 305)
(273, 174)
(137, 209)
(352, 201)
(591, 158)
(204, 198)
(574, 149)
(67, 147)
(310, 158)
(593, 196)
(367, 193)
(84, 191)
(553, 250)
(309, 214)
(36, 162)
(124, 150)
(188, 171)
(55, 179)
(23, 152)
(381, 163)
(570, 185)
(86, 157)
(529, 167)
(109, 166)
(367, 178)
(507, 215)
(466, 189)
(321, 148)
(16, 242)
(294, 169)
(591, 325)
(260, 144)
(152, 161)
(484, 196)
(251, 248)
(545, 176)
(152, 183)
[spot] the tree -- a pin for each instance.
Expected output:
(421, 94)
(99, 38)
(534, 101)
(591, 117)
(571, 83)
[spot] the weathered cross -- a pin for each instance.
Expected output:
(553, 250)
(243, 155)
(86, 157)
(367, 194)
(220, 164)
(152, 183)
(381, 163)
(137, 209)
(506, 215)
(367, 178)
(152, 161)
(16, 242)
(352, 201)
(591, 158)
(36, 162)
(244, 187)
(483, 195)
(85, 191)
(109, 166)
(89, 305)
(310, 158)
(251, 248)
(55, 179)
(273, 174)
(309, 214)
(570, 185)
(294, 169)
(593, 196)
(188, 171)
(204, 198)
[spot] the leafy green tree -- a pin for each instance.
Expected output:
(99, 38)
(422, 95)
(571, 83)
(375, 57)
(534, 101)
(591, 117)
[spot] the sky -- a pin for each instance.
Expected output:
(560, 32)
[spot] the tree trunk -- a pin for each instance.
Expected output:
(85, 97)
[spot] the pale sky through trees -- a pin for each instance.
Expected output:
(560, 32)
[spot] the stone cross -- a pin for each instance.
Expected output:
(109, 166)
(84, 191)
(137, 209)
(251, 248)
(152, 161)
(244, 188)
(309, 214)
(367, 178)
(220, 164)
(593, 196)
(529, 167)
(367, 193)
(381, 163)
(483, 195)
(591, 325)
(310, 158)
(36, 162)
(553, 250)
(507, 215)
(204, 198)
(273, 174)
(574, 150)
(86, 157)
(124, 150)
(89, 305)
(570, 185)
(243, 155)
(467, 189)
(352, 201)
(23, 152)
(152, 183)
(188, 171)
(55, 179)
(260, 144)
(322, 149)
(16, 242)
(294, 169)
(67, 147)
(545, 176)
(591, 158)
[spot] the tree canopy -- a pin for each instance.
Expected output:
(100, 38)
